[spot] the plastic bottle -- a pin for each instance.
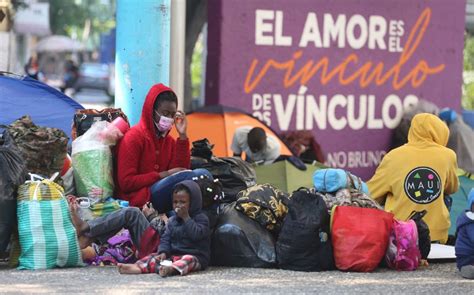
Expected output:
(123, 204)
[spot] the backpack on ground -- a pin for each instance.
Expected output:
(402, 252)
(304, 242)
(424, 239)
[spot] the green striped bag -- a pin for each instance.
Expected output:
(47, 236)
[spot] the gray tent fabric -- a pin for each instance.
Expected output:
(461, 141)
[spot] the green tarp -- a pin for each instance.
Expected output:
(460, 199)
(285, 176)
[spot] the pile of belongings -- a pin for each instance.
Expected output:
(43, 149)
(92, 161)
(234, 173)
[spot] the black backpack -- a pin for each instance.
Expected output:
(234, 173)
(424, 239)
(304, 243)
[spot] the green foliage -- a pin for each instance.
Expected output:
(196, 68)
(468, 96)
(69, 17)
(468, 75)
(469, 53)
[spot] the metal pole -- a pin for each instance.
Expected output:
(142, 52)
(178, 39)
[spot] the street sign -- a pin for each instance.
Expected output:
(343, 69)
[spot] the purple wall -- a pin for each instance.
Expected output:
(343, 68)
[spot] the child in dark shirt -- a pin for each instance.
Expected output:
(465, 240)
(186, 240)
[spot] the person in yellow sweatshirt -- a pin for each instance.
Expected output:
(418, 175)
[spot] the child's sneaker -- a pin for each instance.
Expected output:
(467, 272)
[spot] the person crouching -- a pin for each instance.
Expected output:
(185, 244)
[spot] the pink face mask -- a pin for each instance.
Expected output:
(164, 124)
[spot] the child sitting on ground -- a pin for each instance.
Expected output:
(186, 240)
(465, 240)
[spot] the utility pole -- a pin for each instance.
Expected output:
(142, 52)
(178, 46)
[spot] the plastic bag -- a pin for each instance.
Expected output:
(47, 235)
(402, 252)
(92, 161)
(242, 242)
(359, 237)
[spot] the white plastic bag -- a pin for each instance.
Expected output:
(93, 163)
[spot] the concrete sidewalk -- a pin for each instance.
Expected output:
(435, 279)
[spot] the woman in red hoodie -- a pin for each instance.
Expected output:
(150, 162)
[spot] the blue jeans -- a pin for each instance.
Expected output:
(162, 191)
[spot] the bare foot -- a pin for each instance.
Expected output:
(129, 269)
(80, 225)
(166, 271)
(84, 241)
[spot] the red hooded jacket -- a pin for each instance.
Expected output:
(142, 155)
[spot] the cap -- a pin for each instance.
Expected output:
(448, 115)
(470, 199)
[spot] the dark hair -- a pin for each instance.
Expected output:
(211, 190)
(165, 96)
(256, 139)
(181, 188)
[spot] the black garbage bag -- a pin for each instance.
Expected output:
(12, 174)
(304, 243)
(202, 149)
(241, 242)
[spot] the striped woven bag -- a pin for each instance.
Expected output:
(47, 236)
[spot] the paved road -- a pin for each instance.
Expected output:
(92, 99)
(440, 278)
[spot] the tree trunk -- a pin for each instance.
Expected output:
(196, 17)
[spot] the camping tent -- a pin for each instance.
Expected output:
(468, 117)
(466, 183)
(218, 123)
(47, 106)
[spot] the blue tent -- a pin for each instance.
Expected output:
(47, 106)
(468, 117)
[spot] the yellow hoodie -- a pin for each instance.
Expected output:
(417, 175)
